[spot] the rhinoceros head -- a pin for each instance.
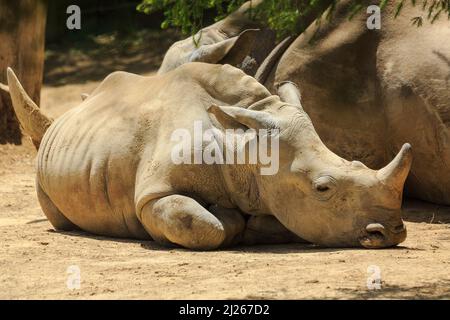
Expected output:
(238, 39)
(320, 196)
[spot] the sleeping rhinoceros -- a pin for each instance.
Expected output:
(368, 90)
(106, 166)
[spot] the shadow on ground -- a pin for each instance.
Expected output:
(419, 211)
(435, 290)
(254, 249)
(94, 57)
(413, 211)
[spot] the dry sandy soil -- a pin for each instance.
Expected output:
(34, 259)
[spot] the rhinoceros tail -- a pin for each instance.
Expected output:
(34, 123)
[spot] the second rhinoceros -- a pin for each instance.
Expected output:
(368, 89)
(106, 167)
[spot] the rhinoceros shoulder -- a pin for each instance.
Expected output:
(115, 80)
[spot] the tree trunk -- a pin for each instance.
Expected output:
(22, 40)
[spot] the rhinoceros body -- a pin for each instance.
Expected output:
(107, 167)
(102, 161)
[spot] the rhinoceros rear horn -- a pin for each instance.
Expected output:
(395, 173)
(32, 120)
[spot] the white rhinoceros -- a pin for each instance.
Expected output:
(106, 166)
(368, 90)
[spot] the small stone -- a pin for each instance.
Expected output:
(312, 281)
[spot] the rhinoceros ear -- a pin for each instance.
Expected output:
(230, 116)
(232, 50)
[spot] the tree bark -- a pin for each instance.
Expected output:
(22, 42)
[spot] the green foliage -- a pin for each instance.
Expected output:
(188, 15)
(284, 16)
(433, 8)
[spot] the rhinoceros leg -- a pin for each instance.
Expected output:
(233, 221)
(268, 230)
(56, 218)
(181, 220)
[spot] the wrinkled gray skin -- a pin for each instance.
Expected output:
(105, 167)
(369, 91)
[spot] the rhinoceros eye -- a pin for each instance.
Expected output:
(321, 188)
(324, 187)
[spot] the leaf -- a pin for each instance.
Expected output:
(383, 3)
(398, 8)
(417, 21)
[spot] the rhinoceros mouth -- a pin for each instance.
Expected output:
(377, 235)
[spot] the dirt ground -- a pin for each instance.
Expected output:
(35, 261)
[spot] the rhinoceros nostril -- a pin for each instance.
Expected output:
(376, 235)
(376, 232)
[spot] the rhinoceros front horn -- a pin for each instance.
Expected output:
(395, 173)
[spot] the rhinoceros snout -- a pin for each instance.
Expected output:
(380, 236)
